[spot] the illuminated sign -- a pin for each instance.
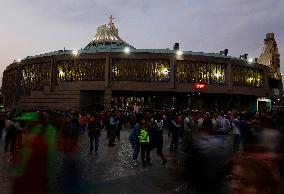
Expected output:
(199, 86)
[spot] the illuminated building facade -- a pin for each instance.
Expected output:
(109, 72)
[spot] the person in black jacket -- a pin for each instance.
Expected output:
(94, 133)
(156, 137)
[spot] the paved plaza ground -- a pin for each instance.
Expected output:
(108, 172)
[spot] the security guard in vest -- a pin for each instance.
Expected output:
(144, 139)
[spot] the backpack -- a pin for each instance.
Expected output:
(159, 124)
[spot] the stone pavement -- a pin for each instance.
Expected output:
(108, 172)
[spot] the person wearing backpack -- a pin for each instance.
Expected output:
(144, 140)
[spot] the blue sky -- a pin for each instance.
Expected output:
(30, 27)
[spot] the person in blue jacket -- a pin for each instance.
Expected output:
(133, 138)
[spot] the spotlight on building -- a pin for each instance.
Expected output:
(127, 50)
(179, 53)
(250, 60)
(75, 52)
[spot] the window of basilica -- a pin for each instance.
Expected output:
(197, 72)
(246, 76)
(81, 70)
(34, 77)
(141, 70)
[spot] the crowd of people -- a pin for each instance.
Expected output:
(258, 136)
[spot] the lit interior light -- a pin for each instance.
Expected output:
(127, 50)
(218, 75)
(75, 52)
(165, 71)
(179, 53)
(250, 60)
(61, 73)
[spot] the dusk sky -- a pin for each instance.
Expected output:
(31, 27)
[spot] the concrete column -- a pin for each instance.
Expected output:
(51, 75)
(172, 73)
(229, 79)
(107, 71)
(107, 100)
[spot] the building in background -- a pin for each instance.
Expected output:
(271, 58)
(111, 73)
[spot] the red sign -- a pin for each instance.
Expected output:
(199, 86)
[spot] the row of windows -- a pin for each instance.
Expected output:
(192, 72)
(81, 70)
(249, 77)
(141, 70)
(34, 77)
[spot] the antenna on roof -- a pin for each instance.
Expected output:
(224, 52)
(244, 56)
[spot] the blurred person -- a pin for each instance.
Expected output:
(175, 125)
(36, 157)
(252, 176)
(207, 123)
(189, 125)
(112, 128)
(236, 133)
(11, 135)
(199, 121)
(2, 124)
(119, 123)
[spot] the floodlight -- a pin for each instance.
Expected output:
(127, 50)
(250, 60)
(179, 53)
(75, 52)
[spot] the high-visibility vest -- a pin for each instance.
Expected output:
(144, 136)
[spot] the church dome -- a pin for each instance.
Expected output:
(107, 38)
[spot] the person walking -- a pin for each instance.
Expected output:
(11, 136)
(157, 130)
(134, 140)
(94, 133)
(112, 128)
(83, 122)
(174, 128)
